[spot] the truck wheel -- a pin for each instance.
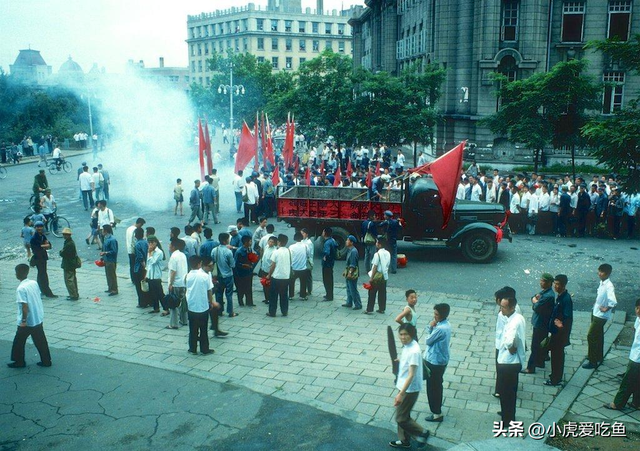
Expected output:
(340, 235)
(479, 247)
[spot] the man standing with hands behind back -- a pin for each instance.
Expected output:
(39, 246)
(560, 327)
(542, 308)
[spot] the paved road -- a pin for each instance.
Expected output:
(518, 264)
(95, 403)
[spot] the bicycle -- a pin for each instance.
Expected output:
(64, 165)
(3, 172)
(55, 224)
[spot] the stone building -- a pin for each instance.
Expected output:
(474, 38)
(29, 67)
(282, 34)
(176, 76)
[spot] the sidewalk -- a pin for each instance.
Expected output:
(321, 355)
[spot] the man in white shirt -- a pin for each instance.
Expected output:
(238, 186)
(511, 358)
(57, 156)
(177, 272)
(379, 264)
(251, 197)
(30, 317)
(500, 323)
(544, 199)
(409, 384)
(105, 215)
(491, 196)
(199, 297)
(630, 384)
(605, 301)
(86, 188)
(462, 189)
(476, 189)
(533, 212)
(514, 205)
(280, 274)
(97, 181)
(299, 258)
(265, 262)
(131, 245)
(307, 242)
(400, 159)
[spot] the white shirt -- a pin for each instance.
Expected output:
(299, 253)
(265, 262)
(48, 204)
(56, 153)
(574, 200)
(411, 356)
(178, 264)
(606, 297)
(85, 181)
(282, 258)
(476, 192)
(491, 194)
(105, 217)
(263, 241)
(514, 206)
(461, 191)
(554, 202)
(154, 264)
(525, 199)
(382, 260)
(635, 346)
(238, 184)
(251, 190)
(198, 284)
(28, 293)
(514, 334)
(500, 323)
(96, 178)
(400, 159)
(307, 242)
(544, 202)
(130, 241)
(533, 204)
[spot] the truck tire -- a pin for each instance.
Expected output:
(340, 235)
(479, 246)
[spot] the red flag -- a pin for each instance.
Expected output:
(255, 134)
(275, 178)
(338, 178)
(378, 169)
(296, 167)
(322, 168)
(202, 145)
(445, 171)
(269, 145)
(307, 176)
(368, 179)
(349, 169)
(287, 149)
(208, 149)
(263, 140)
(246, 148)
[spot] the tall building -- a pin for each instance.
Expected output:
(474, 38)
(282, 34)
(30, 67)
(176, 77)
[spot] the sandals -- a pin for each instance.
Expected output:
(234, 314)
(611, 406)
(170, 327)
(165, 313)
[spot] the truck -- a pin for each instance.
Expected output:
(474, 227)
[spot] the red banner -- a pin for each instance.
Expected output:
(202, 145)
(246, 148)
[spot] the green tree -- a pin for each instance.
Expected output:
(616, 139)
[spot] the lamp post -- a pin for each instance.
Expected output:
(90, 115)
(231, 88)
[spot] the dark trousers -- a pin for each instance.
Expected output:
(112, 280)
(407, 426)
(43, 277)
(497, 374)
(508, 390)
(198, 331)
(156, 293)
(279, 290)
(39, 340)
(434, 387)
(87, 199)
(214, 314)
(245, 289)
(536, 359)
(265, 288)
(132, 263)
(381, 291)
(582, 222)
(595, 340)
(630, 385)
(303, 275)
(557, 343)
(143, 298)
(327, 280)
(616, 225)
(563, 224)
(250, 212)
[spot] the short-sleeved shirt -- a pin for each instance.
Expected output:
(382, 260)
(198, 284)
(28, 293)
(299, 253)
(27, 234)
(178, 263)
(635, 346)
(411, 356)
(282, 258)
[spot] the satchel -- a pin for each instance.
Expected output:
(351, 276)
(32, 261)
(369, 238)
(171, 301)
(78, 262)
(377, 279)
(144, 285)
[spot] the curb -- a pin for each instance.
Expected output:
(34, 159)
(569, 393)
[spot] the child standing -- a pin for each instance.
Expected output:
(26, 233)
(408, 314)
(178, 197)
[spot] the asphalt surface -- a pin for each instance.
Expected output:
(92, 402)
(518, 264)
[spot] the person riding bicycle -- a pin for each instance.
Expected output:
(48, 206)
(57, 157)
(40, 184)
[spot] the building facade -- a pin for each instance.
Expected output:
(175, 77)
(29, 67)
(282, 34)
(474, 38)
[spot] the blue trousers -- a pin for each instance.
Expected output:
(238, 202)
(226, 286)
(393, 250)
(353, 297)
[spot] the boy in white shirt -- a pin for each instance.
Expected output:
(605, 301)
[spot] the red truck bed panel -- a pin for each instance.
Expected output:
(346, 210)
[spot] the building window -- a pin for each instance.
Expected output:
(199, 50)
(274, 25)
(260, 43)
(199, 66)
(260, 24)
(245, 25)
(302, 26)
(327, 28)
(315, 26)
(288, 24)
(200, 79)
(328, 45)
(221, 28)
(274, 44)
(237, 44)
(619, 20)
(229, 43)
(288, 45)
(193, 50)
(340, 28)
(509, 30)
(206, 48)
(613, 92)
(508, 68)
(206, 31)
(221, 46)
(236, 26)
(192, 33)
(274, 62)
(260, 59)
(303, 45)
(245, 44)
(340, 47)
(193, 66)
(208, 80)
(572, 21)
(316, 46)
(186, 78)
(289, 62)
(302, 60)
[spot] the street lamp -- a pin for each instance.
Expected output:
(90, 115)
(232, 90)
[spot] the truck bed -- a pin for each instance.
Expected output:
(334, 203)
